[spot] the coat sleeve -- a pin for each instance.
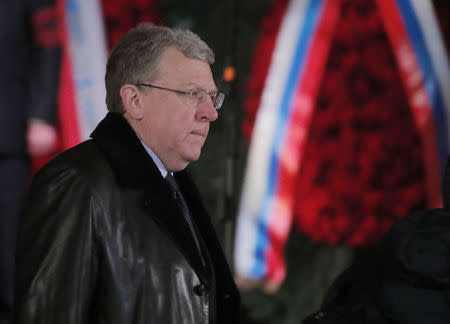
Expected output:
(43, 81)
(56, 254)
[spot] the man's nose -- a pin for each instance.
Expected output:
(207, 111)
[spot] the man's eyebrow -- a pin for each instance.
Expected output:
(196, 86)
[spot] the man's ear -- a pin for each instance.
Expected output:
(131, 101)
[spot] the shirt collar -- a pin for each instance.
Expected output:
(156, 159)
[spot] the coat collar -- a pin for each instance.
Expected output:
(134, 168)
(131, 164)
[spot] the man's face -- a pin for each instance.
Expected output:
(174, 130)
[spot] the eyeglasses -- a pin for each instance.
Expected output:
(193, 97)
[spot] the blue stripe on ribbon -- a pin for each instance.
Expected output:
(305, 36)
(431, 81)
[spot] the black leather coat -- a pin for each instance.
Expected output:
(102, 241)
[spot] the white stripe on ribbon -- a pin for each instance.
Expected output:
(433, 39)
(257, 169)
(88, 50)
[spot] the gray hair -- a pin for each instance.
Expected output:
(137, 53)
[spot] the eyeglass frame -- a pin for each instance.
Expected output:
(190, 93)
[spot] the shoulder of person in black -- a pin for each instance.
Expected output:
(404, 279)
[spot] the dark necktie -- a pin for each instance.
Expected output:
(184, 209)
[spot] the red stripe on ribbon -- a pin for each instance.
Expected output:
(419, 102)
(68, 117)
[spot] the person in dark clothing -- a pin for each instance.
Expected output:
(406, 279)
(30, 58)
(114, 230)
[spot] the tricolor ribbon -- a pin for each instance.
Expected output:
(266, 209)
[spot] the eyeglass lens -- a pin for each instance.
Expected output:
(216, 98)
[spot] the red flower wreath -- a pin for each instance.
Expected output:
(362, 167)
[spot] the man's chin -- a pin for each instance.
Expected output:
(194, 155)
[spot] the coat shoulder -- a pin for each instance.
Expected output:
(83, 160)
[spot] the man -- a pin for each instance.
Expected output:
(108, 235)
(29, 70)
